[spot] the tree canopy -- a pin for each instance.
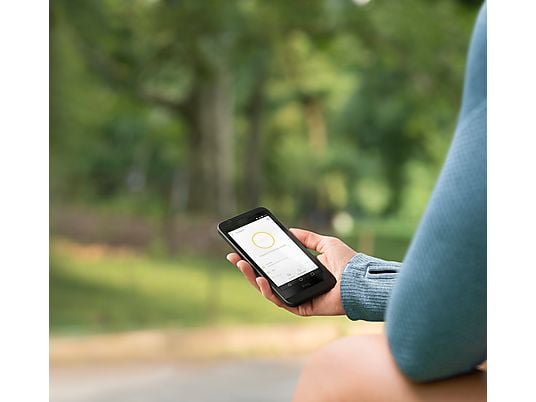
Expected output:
(210, 107)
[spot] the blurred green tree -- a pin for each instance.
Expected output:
(211, 106)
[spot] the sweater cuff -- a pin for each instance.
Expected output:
(366, 285)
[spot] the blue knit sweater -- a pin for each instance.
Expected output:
(434, 302)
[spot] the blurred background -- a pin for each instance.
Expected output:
(168, 116)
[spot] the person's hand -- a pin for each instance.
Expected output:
(334, 254)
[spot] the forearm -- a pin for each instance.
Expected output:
(366, 285)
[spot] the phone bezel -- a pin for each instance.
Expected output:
(301, 296)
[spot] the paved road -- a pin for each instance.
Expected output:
(251, 380)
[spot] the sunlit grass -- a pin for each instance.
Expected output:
(100, 289)
(94, 289)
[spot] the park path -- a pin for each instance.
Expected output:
(238, 364)
(233, 380)
(203, 343)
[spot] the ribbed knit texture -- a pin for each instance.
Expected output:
(366, 285)
(436, 312)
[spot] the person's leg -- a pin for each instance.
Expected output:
(361, 368)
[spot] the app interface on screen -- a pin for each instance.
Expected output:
(269, 246)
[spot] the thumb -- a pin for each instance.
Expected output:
(309, 239)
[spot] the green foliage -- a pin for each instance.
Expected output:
(333, 106)
(176, 112)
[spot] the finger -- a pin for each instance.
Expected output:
(233, 258)
(248, 272)
(311, 240)
(322, 258)
(266, 291)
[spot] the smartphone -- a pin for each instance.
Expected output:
(294, 274)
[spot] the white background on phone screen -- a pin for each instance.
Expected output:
(269, 246)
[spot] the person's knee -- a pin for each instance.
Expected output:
(335, 373)
(362, 368)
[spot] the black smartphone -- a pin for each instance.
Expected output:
(294, 274)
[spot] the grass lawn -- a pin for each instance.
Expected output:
(98, 289)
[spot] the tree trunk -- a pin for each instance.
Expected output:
(253, 165)
(211, 153)
(316, 125)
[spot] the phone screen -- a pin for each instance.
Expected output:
(273, 251)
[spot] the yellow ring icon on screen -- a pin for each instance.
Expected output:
(260, 240)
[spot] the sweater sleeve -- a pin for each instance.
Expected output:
(436, 314)
(436, 317)
(366, 285)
